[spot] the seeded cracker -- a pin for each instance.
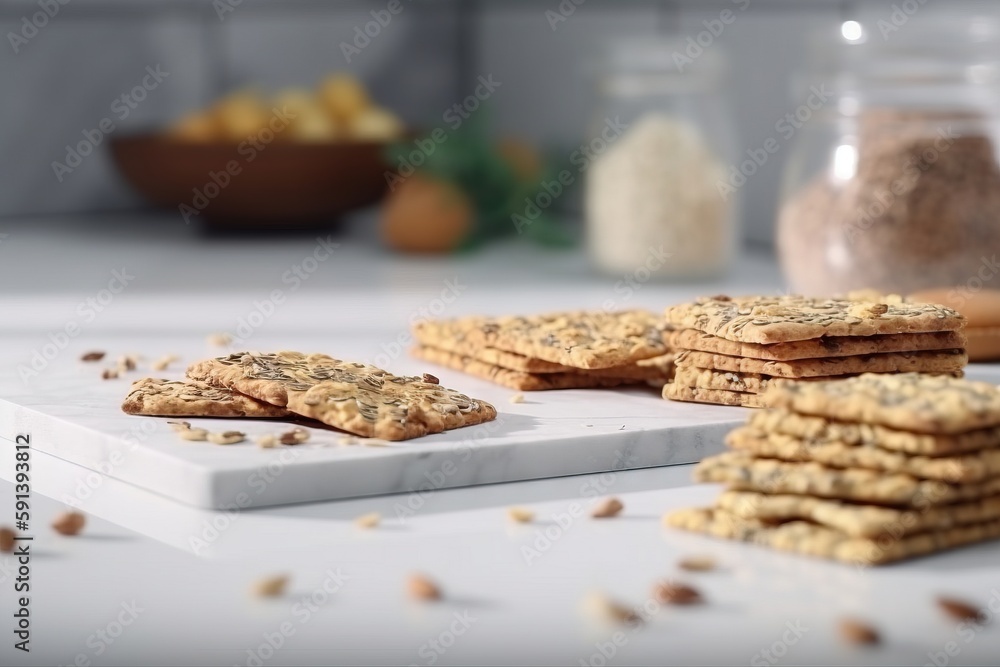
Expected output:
(517, 379)
(911, 402)
(818, 348)
(959, 468)
(355, 397)
(742, 471)
(810, 539)
(582, 339)
(795, 318)
(679, 392)
(707, 378)
(853, 519)
(947, 361)
(191, 398)
(819, 431)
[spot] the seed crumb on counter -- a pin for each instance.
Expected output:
(607, 508)
(419, 587)
(69, 523)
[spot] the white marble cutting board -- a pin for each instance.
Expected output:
(74, 415)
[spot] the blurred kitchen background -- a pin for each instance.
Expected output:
(703, 85)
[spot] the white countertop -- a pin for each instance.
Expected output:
(512, 593)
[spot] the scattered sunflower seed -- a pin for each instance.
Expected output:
(162, 363)
(267, 441)
(673, 593)
(294, 437)
(110, 374)
(369, 520)
(126, 362)
(6, 539)
(857, 633)
(607, 508)
(270, 587)
(517, 398)
(957, 609)
(227, 437)
(179, 426)
(92, 356)
(431, 379)
(420, 587)
(193, 434)
(220, 339)
(604, 608)
(520, 514)
(697, 564)
(69, 523)
(347, 440)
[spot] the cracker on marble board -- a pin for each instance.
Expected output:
(779, 319)
(581, 339)
(807, 538)
(351, 396)
(707, 378)
(818, 348)
(910, 401)
(676, 391)
(518, 380)
(192, 398)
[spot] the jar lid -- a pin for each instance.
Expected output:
(924, 60)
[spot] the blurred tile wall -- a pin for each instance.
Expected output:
(64, 79)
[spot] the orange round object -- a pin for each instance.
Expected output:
(423, 215)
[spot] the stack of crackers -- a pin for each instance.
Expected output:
(354, 397)
(867, 470)
(571, 350)
(728, 350)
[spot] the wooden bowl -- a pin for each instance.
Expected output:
(284, 185)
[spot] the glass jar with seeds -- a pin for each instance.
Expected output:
(660, 143)
(893, 182)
